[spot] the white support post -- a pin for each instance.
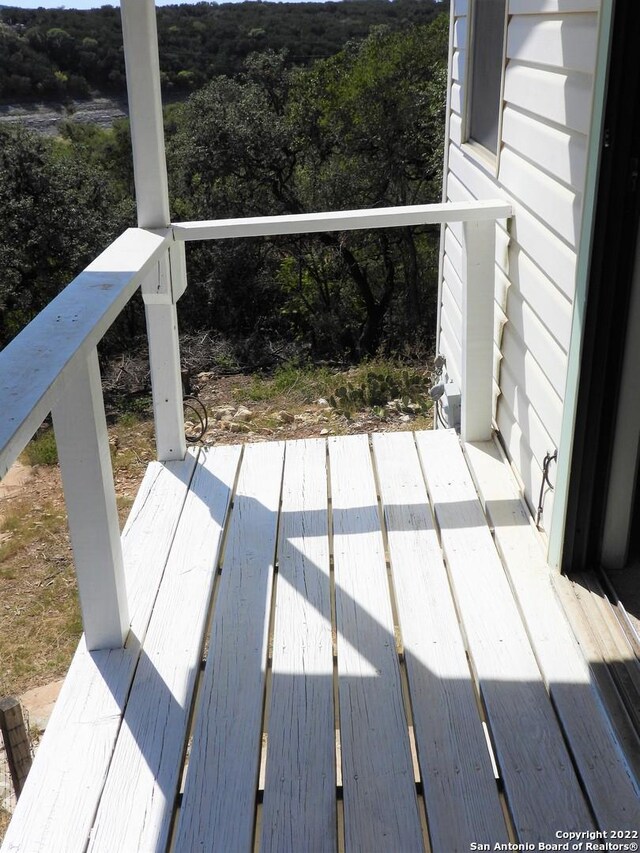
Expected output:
(178, 268)
(164, 359)
(140, 36)
(87, 476)
(478, 288)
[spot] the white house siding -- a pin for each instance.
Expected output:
(550, 60)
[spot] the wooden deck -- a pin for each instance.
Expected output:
(330, 649)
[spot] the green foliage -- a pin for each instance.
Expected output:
(383, 386)
(297, 383)
(361, 129)
(196, 42)
(133, 408)
(57, 212)
(42, 449)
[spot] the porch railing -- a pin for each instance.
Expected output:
(52, 366)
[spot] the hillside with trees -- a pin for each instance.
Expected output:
(54, 54)
(363, 128)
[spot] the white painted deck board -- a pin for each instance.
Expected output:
(515, 664)
(459, 787)
(136, 807)
(299, 806)
(63, 789)
(606, 775)
(218, 803)
(380, 803)
(540, 783)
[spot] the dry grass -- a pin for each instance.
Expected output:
(41, 622)
(5, 817)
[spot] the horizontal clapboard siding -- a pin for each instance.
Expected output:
(540, 7)
(556, 150)
(549, 63)
(556, 95)
(457, 65)
(561, 41)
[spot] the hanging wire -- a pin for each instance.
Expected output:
(194, 405)
(548, 459)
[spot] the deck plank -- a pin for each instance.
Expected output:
(542, 788)
(299, 806)
(459, 786)
(63, 789)
(380, 802)
(218, 804)
(136, 808)
(605, 772)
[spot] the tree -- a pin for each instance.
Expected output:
(363, 129)
(57, 213)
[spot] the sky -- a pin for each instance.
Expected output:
(90, 4)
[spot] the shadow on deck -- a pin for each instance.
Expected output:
(328, 651)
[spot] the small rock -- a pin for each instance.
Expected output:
(223, 412)
(236, 426)
(322, 402)
(203, 377)
(324, 432)
(243, 415)
(285, 417)
(405, 418)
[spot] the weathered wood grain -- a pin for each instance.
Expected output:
(604, 771)
(218, 804)
(136, 807)
(459, 786)
(299, 805)
(380, 804)
(540, 783)
(63, 789)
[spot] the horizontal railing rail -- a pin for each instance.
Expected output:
(52, 366)
(344, 220)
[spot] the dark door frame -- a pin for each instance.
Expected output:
(613, 253)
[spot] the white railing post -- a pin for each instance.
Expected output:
(478, 288)
(164, 354)
(87, 477)
(152, 197)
